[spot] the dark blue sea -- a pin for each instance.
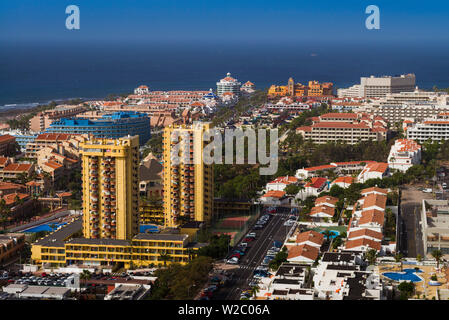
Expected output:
(32, 73)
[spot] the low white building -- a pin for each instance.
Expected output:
(280, 183)
(377, 170)
(404, 154)
(141, 90)
(313, 188)
(275, 198)
(338, 276)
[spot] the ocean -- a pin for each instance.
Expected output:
(38, 73)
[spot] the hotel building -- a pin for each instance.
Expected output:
(313, 89)
(188, 185)
(43, 120)
(346, 127)
(404, 154)
(110, 193)
(435, 129)
(378, 87)
(110, 217)
(228, 84)
(112, 126)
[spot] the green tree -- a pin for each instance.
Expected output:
(437, 254)
(291, 189)
(407, 289)
(164, 257)
(371, 256)
(399, 258)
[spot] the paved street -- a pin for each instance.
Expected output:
(411, 215)
(273, 231)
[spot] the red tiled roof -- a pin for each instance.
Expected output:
(311, 236)
(285, 180)
(3, 161)
(373, 189)
(374, 199)
(330, 124)
(316, 182)
(318, 168)
(326, 199)
(365, 232)
(6, 138)
(339, 115)
(346, 180)
(11, 198)
(52, 164)
(322, 209)
(9, 185)
(53, 136)
(377, 167)
(274, 194)
(303, 251)
(363, 242)
(18, 167)
(371, 216)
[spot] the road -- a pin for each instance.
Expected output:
(273, 231)
(411, 233)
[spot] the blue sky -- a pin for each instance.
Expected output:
(225, 20)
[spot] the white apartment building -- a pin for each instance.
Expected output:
(435, 129)
(228, 84)
(355, 91)
(397, 113)
(373, 87)
(141, 90)
(378, 87)
(418, 97)
(404, 154)
(351, 128)
(338, 277)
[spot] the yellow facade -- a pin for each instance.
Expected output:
(188, 185)
(313, 89)
(138, 253)
(110, 188)
(280, 91)
(150, 213)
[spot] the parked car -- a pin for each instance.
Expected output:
(233, 260)
(252, 234)
(244, 244)
(237, 255)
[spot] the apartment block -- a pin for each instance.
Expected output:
(351, 128)
(110, 188)
(435, 129)
(404, 154)
(43, 120)
(188, 185)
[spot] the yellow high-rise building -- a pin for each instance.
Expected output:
(110, 188)
(188, 185)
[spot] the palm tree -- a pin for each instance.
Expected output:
(437, 254)
(85, 275)
(190, 252)
(371, 256)
(254, 291)
(398, 258)
(328, 234)
(164, 257)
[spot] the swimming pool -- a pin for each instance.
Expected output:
(148, 228)
(406, 275)
(334, 233)
(44, 227)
